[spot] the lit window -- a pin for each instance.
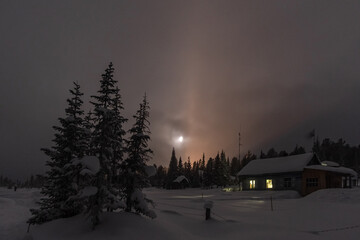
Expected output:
(252, 184)
(269, 183)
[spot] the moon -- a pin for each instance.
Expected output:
(180, 139)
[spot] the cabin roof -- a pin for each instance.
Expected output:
(181, 178)
(343, 170)
(294, 163)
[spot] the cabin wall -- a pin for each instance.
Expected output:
(308, 183)
(286, 181)
(326, 179)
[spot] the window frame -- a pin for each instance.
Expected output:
(252, 184)
(287, 182)
(312, 182)
(267, 181)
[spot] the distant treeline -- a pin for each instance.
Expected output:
(221, 171)
(327, 150)
(338, 151)
(32, 182)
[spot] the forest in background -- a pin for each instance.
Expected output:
(220, 171)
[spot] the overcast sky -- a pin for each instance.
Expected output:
(277, 69)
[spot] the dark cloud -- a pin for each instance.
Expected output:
(276, 68)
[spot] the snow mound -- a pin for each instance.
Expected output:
(141, 203)
(113, 226)
(335, 195)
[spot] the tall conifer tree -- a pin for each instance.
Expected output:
(134, 166)
(61, 179)
(106, 144)
(173, 169)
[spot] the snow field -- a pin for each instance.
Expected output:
(325, 214)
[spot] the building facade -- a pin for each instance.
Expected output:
(304, 173)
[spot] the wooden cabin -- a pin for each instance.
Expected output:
(180, 182)
(304, 173)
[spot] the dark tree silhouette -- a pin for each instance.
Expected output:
(61, 178)
(173, 169)
(134, 172)
(107, 145)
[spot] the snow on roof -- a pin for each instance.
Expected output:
(179, 179)
(330, 164)
(343, 170)
(295, 163)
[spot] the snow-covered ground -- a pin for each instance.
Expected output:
(14, 211)
(326, 214)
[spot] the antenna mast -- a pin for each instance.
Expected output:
(239, 148)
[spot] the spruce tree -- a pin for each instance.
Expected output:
(209, 173)
(272, 153)
(118, 143)
(133, 167)
(180, 167)
(298, 150)
(202, 164)
(225, 165)
(283, 153)
(61, 178)
(195, 179)
(218, 170)
(173, 169)
(106, 145)
(187, 170)
(234, 166)
(249, 156)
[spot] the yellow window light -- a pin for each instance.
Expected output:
(252, 184)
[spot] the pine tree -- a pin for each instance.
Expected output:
(195, 179)
(271, 153)
(218, 171)
(180, 167)
(262, 155)
(283, 153)
(134, 165)
(202, 165)
(209, 173)
(298, 150)
(173, 169)
(187, 171)
(234, 166)
(225, 170)
(61, 178)
(89, 127)
(106, 145)
(160, 177)
(118, 143)
(249, 156)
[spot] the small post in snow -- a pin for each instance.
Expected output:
(208, 205)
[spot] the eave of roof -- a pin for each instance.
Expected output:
(342, 170)
(295, 163)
